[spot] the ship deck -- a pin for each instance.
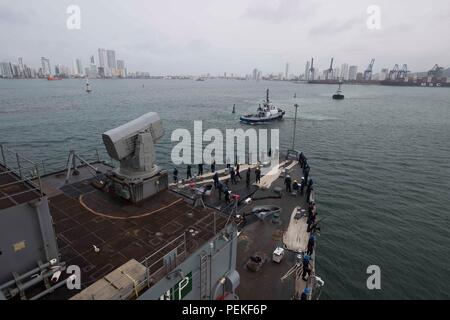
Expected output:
(85, 217)
(264, 236)
(15, 190)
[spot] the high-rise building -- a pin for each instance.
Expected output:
(111, 55)
(121, 70)
(93, 73)
(46, 70)
(336, 73)
(21, 69)
(255, 73)
(352, 72)
(286, 71)
(344, 71)
(383, 74)
(6, 70)
(62, 71)
(101, 72)
(102, 58)
(78, 68)
(120, 64)
(307, 67)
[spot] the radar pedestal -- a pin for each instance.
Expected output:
(138, 177)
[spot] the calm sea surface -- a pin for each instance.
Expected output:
(380, 159)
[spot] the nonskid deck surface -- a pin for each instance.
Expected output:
(85, 217)
(264, 236)
(13, 190)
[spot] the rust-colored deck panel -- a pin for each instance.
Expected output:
(85, 217)
(13, 191)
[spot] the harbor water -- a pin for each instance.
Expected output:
(379, 158)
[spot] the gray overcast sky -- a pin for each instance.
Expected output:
(234, 36)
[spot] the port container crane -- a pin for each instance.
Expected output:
(368, 71)
(394, 72)
(311, 69)
(403, 73)
(329, 71)
(436, 72)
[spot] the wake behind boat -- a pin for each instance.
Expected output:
(264, 114)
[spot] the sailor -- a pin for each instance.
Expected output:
(306, 267)
(247, 177)
(200, 169)
(269, 153)
(313, 228)
(232, 176)
(300, 159)
(311, 242)
(220, 188)
(311, 221)
(258, 175)
(228, 163)
(311, 208)
(302, 185)
(308, 193)
(305, 294)
(295, 187)
(227, 196)
(288, 183)
(175, 175)
(216, 179)
(213, 166)
(188, 172)
(306, 172)
(238, 174)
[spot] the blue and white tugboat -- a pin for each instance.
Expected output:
(264, 114)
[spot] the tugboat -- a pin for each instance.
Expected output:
(338, 95)
(264, 114)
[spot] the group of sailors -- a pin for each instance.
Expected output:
(311, 220)
(296, 187)
(223, 188)
(293, 187)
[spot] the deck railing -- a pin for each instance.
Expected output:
(22, 170)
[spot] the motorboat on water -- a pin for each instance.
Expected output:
(264, 114)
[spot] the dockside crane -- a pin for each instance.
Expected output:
(368, 71)
(394, 72)
(436, 72)
(403, 73)
(311, 69)
(329, 71)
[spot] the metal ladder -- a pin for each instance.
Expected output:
(203, 276)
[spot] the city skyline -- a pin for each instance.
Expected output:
(234, 37)
(108, 66)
